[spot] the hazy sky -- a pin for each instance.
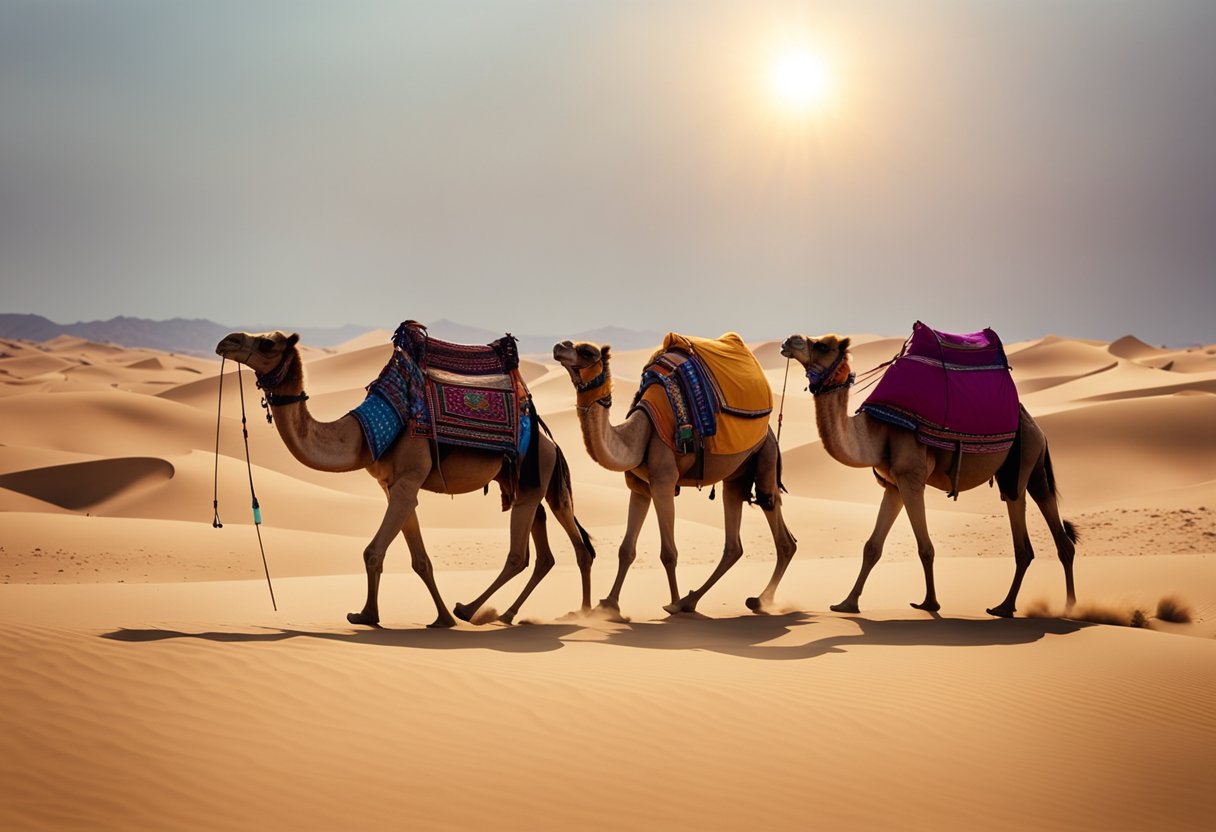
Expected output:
(555, 165)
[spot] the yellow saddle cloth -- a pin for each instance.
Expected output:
(742, 391)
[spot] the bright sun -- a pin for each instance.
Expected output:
(800, 81)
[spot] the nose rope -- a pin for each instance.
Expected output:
(257, 510)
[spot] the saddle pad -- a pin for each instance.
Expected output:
(496, 358)
(951, 389)
(735, 385)
(485, 409)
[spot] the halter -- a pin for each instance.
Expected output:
(594, 390)
(268, 381)
(826, 381)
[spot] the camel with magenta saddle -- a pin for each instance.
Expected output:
(412, 463)
(906, 457)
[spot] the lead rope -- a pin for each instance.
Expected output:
(781, 409)
(215, 502)
(215, 492)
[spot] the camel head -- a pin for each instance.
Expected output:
(266, 353)
(826, 359)
(588, 368)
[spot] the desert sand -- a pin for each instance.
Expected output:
(147, 682)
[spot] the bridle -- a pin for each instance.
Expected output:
(826, 381)
(274, 378)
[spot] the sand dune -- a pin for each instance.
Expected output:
(150, 685)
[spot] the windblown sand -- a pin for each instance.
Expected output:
(146, 682)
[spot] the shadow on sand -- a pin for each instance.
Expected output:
(743, 636)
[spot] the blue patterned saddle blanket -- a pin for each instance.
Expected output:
(687, 386)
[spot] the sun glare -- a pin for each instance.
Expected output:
(800, 81)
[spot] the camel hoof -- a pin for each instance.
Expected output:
(366, 618)
(1002, 611)
(927, 606)
(685, 604)
(845, 606)
(442, 623)
(608, 612)
(608, 604)
(463, 612)
(507, 617)
(754, 604)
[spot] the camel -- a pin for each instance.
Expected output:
(411, 465)
(653, 472)
(904, 466)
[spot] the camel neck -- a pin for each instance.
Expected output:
(323, 446)
(842, 434)
(615, 447)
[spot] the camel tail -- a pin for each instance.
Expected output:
(586, 537)
(1071, 531)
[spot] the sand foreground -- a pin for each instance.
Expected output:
(146, 682)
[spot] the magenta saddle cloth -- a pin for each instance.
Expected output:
(953, 390)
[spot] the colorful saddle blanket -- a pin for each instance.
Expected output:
(457, 394)
(953, 390)
(705, 392)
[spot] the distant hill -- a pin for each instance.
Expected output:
(199, 336)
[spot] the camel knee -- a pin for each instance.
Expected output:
(518, 561)
(732, 552)
(871, 552)
(627, 554)
(668, 558)
(925, 552)
(422, 565)
(583, 558)
(373, 559)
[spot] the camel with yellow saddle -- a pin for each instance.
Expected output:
(742, 453)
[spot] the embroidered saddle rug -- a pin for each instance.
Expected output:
(952, 390)
(467, 395)
(705, 393)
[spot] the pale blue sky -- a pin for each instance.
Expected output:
(557, 165)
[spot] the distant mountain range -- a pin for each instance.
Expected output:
(199, 336)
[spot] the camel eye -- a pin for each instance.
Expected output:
(265, 345)
(821, 347)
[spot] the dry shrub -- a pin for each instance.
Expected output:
(1173, 609)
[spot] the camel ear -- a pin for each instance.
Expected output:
(604, 350)
(293, 339)
(844, 344)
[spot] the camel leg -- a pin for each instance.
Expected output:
(1023, 554)
(785, 546)
(1064, 536)
(583, 555)
(522, 517)
(891, 505)
(544, 562)
(664, 498)
(732, 549)
(913, 494)
(639, 505)
(402, 501)
(421, 562)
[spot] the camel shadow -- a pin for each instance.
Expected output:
(743, 636)
(525, 638)
(747, 637)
